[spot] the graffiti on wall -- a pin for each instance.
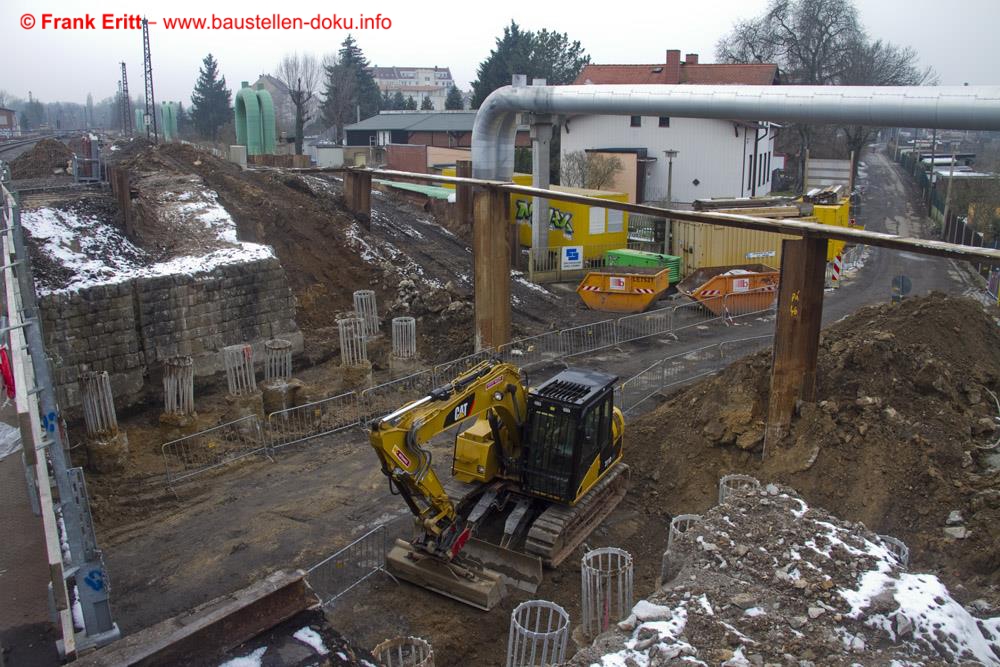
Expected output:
(559, 220)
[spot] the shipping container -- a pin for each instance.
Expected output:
(701, 245)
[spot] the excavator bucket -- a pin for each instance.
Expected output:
(479, 587)
(480, 576)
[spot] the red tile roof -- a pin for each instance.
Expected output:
(712, 74)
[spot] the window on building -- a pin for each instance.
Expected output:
(636, 121)
(664, 121)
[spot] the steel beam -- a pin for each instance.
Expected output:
(358, 195)
(796, 334)
(491, 267)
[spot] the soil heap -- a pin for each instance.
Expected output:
(903, 435)
(48, 157)
(764, 579)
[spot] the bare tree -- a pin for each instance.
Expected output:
(820, 42)
(589, 170)
(300, 74)
(4, 98)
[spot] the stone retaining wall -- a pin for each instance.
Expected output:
(129, 328)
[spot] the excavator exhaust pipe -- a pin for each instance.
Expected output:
(481, 577)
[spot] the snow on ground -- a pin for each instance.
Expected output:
(251, 660)
(309, 636)
(97, 253)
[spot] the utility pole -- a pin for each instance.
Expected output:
(147, 61)
(671, 154)
(126, 105)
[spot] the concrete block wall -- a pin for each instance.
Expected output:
(128, 329)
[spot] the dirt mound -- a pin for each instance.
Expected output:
(48, 157)
(766, 579)
(901, 436)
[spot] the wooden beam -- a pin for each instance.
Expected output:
(358, 195)
(463, 193)
(739, 221)
(491, 267)
(796, 335)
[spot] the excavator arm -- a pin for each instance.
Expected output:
(490, 389)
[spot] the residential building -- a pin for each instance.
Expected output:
(8, 123)
(715, 158)
(415, 82)
(448, 129)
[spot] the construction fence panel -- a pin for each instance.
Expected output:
(449, 370)
(220, 445)
(687, 366)
(387, 397)
(304, 422)
(589, 337)
(640, 387)
(698, 313)
(643, 325)
(737, 349)
(525, 352)
(337, 574)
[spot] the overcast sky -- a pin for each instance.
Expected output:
(957, 38)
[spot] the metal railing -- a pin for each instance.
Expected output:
(644, 325)
(448, 370)
(312, 420)
(383, 399)
(212, 448)
(524, 352)
(337, 574)
(589, 337)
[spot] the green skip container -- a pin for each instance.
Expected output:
(641, 258)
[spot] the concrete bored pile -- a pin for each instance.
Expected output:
(538, 636)
(367, 310)
(403, 359)
(354, 353)
(178, 391)
(404, 652)
(606, 579)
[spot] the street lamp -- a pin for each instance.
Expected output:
(671, 154)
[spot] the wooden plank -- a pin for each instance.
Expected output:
(212, 628)
(463, 193)
(796, 336)
(491, 267)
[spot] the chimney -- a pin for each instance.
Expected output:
(672, 73)
(691, 59)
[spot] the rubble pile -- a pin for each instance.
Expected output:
(902, 435)
(765, 579)
(47, 158)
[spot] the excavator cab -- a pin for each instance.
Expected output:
(570, 435)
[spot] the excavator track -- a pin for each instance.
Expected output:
(559, 530)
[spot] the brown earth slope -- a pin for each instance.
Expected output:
(47, 156)
(902, 434)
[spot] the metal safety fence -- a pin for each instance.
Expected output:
(337, 574)
(189, 456)
(212, 448)
(312, 420)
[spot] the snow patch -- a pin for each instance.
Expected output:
(251, 660)
(309, 636)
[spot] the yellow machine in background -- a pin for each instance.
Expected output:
(546, 460)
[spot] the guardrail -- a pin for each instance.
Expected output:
(383, 399)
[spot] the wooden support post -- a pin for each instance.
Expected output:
(463, 193)
(796, 335)
(358, 195)
(491, 267)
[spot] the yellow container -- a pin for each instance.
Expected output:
(837, 215)
(736, 290)
(594, 228)
(702, 246)
(618, 292)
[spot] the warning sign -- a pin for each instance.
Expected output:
(741, 284)
(616, 283)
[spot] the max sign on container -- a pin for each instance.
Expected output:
(571, 257)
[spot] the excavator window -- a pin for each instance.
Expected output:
(549, 462)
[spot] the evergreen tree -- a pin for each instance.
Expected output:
(540, 55)
(210, 108)
(386, 100)
(411, 104)
(398, 102)
(349, 87)
(454, 100)
(426, 104)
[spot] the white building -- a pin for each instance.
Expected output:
(715, 158)
(415, 82)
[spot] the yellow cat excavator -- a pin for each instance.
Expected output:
(534, 472)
